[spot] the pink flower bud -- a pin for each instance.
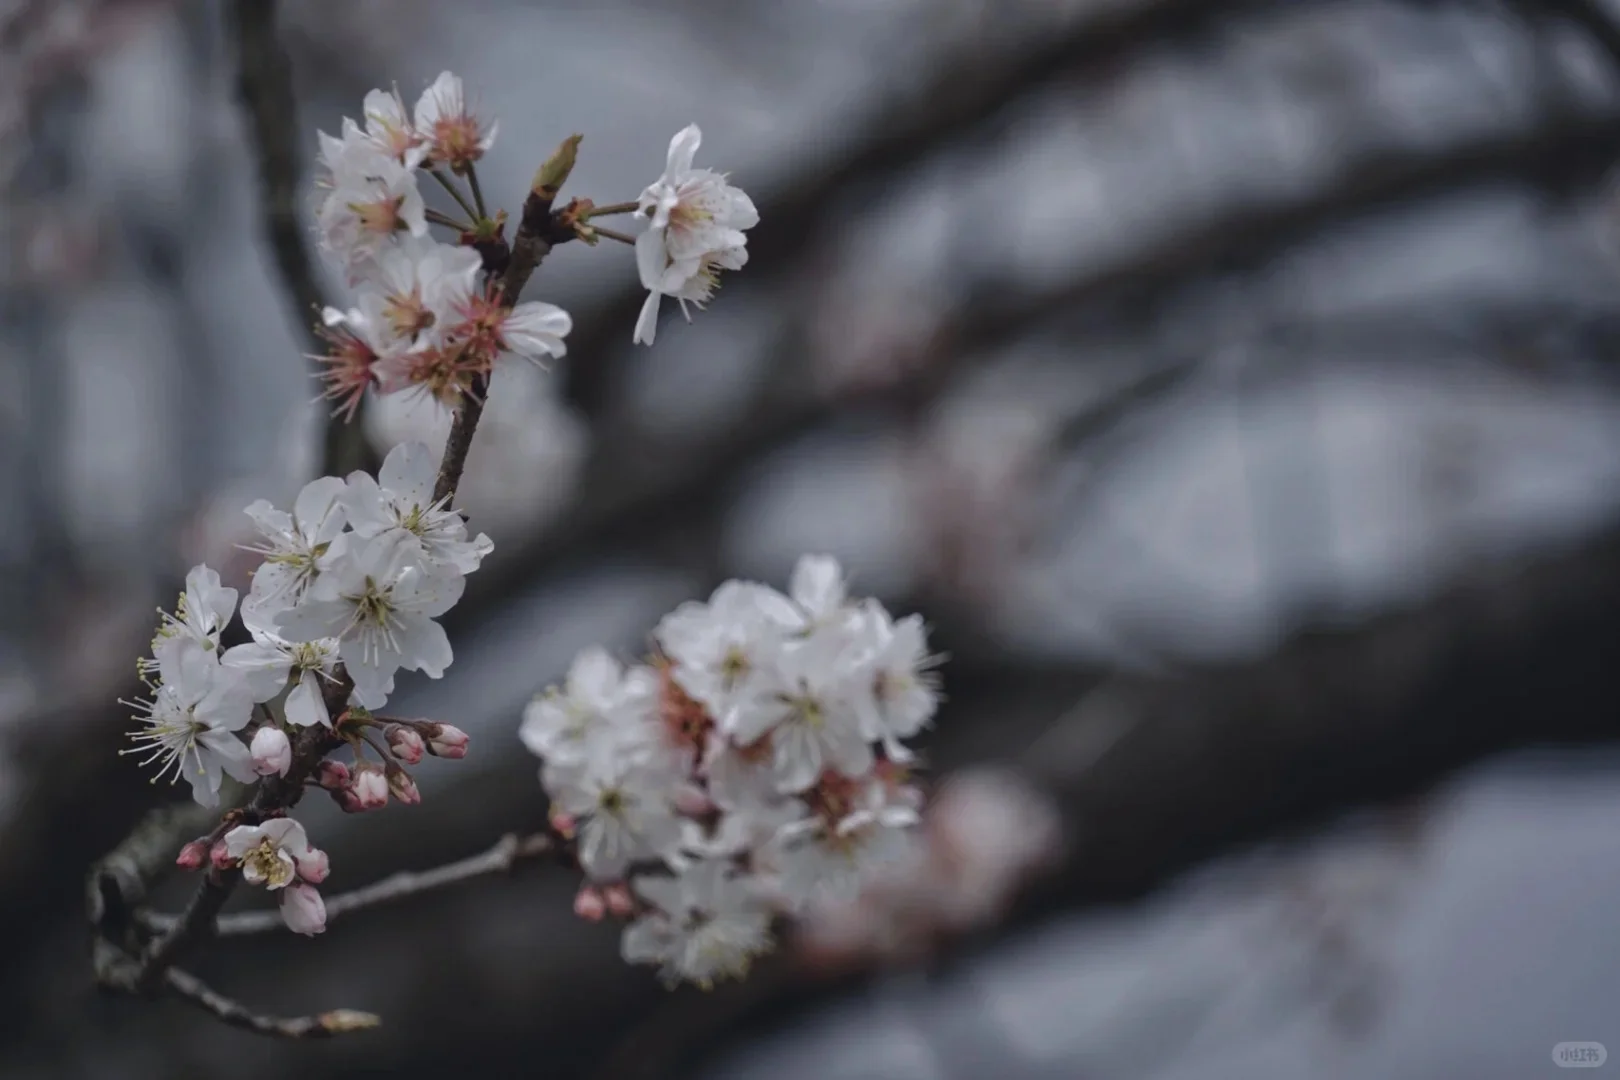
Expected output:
(619, 901)
(370, 786)
(302, 909)
(313, 866)
(220, 856)
(347, 800)
(402, 787)
(193, 856)
(448, 742)
(563, 824)
(589, 904)
(272, 753)
(332, 775)
(406, 744)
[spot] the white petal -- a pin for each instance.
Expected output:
(535, 330)
(647, 321)
(305, 706)
(682, 149)
(409, 473)
(265, 667)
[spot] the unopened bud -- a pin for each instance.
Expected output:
(370, 786)
(348, 801)
(589, 904)
(193, 856)
(220, 856)
(333, 775)
(402, 787)
(563, 824)
(271, 751)
(447, 741)
(619, 901)
(553, 173)
(313, 866)
(302, 909)
(406, 744)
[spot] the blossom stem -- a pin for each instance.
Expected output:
(613, 208)
(436, 218)
(510, 850)
(612, 234)
(455, 193)
(477, 191)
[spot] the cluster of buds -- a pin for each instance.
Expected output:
(275, 854)
(368, 785)
(755, 768)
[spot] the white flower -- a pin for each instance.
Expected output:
(191, 724)
(455, 136)
(897, 697)
(269, 660)
(200, 614)
(695, 231)
(380, 604)
(624, 808)
(401, 498)
(274, 853)
(821, 860)
(598, 709)
(302, 909)
(725, 650)
(693, 282)
(535, 330)
(295, 543)
(389, 128)
(415, 290)
(808, 715)
(373, 197)
(707, 925)
(271, 751)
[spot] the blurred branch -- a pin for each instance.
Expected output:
(336, 1022)
(962, 92)
(1589, 15)
(507, 853)
(265, 88)
(631, 489)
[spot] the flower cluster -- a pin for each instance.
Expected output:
(422, 321)
(756, 766)
(350, 585)
(695, 230)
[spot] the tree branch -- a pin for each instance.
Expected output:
(189, 988)
(510, 850)
(265, 89)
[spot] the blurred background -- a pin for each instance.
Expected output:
(1231, 384)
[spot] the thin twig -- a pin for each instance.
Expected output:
(435, 217)
(613, 208)
(510, 850)
(477, 191)
(324, 1025)
(614, 234)
(455, 193)
(264, 86)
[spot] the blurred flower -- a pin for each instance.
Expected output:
(707, 924)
